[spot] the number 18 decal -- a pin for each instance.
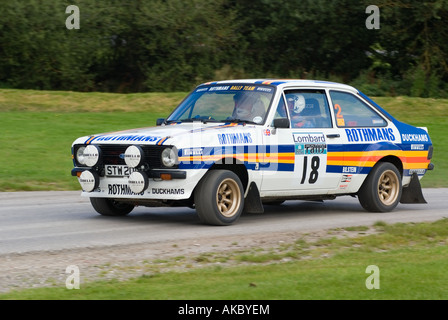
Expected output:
(314, 174)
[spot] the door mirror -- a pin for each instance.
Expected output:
(160, 121)
(281, 123)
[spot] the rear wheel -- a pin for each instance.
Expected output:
(110, 207)
(382, 189)
(219, 198)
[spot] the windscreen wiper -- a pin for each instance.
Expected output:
(241, 121)
(203, 120)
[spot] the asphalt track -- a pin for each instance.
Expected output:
(48, 221)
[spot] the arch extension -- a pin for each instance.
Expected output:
(252, 202)
(412, 193)
(235, 166)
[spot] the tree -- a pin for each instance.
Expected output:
(38, 51)
(413, 35)
(167, 45)
(305, 37)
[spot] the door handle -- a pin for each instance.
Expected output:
(331, 136)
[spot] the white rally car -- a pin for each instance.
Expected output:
(232, 146)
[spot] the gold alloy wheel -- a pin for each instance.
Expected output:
(388, 187)
(228, 198)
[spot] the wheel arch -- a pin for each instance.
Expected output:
(234, 165)
(219, 197)
(396, 161)
(252, 198)
(382, 189)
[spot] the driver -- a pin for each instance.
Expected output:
(296, 104)
(248, 106)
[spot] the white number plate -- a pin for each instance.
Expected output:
(118, 170)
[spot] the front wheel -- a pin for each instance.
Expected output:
(110, 207)
(382, 189)
(219, 198)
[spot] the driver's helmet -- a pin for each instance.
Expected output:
(296, 102)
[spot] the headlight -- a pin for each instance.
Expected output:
(134, 156)
(91, 155)
(80, 155)
(169, 157)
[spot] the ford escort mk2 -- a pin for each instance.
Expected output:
(234, 146)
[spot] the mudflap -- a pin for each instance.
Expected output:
(252, 203)
(413, 192)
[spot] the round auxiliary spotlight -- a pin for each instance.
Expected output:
(89, 180)
(138, 182)
(133, 156)
(91, 155)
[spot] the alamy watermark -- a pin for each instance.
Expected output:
(373, 21)
(72, 281)
(373, 281)
(73, 20)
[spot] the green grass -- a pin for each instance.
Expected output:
(411, 258)
(38, 127)
(66, 101)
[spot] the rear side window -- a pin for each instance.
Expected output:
(350, 111)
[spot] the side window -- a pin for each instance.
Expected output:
(350, 111)
(281, 110)
(308, 109)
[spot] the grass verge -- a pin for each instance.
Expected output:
(411, 260)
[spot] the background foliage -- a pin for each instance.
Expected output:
(173, 45)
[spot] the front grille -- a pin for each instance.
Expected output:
(113, 154)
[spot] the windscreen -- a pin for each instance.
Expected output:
(222, 103)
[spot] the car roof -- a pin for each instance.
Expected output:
(287, 82)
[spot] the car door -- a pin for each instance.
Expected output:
(368, 133)
(296, 161)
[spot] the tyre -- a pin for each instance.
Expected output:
(219, 198)
(381, 191)
(110, 207)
